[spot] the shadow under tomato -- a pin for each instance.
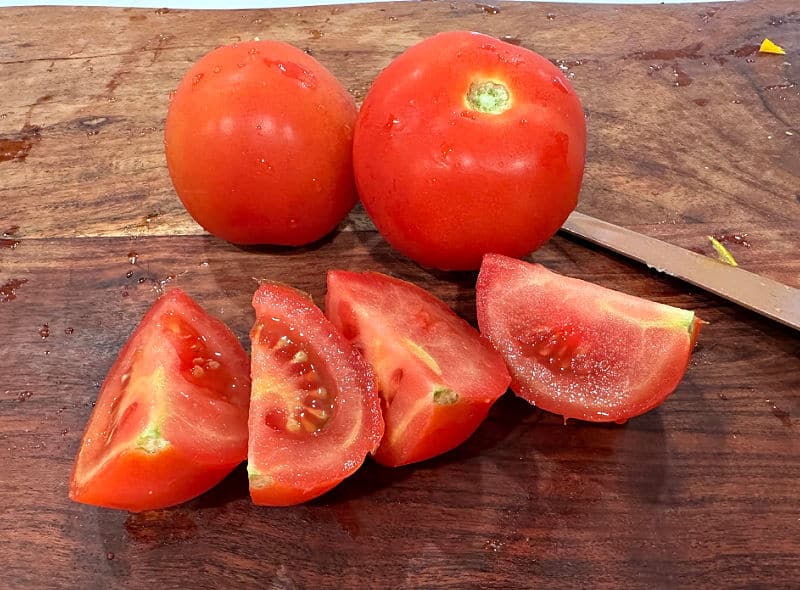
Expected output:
(322, 242)
(368, 480)
(631, 456)
(494, 432)
(565, 477)
(373, 477)
(233, 488)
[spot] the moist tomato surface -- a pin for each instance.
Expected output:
(170, 420)
(314, 410)
(465, 145)
(258, 141)
(437, 376)
(578, 349)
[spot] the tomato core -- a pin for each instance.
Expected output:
(560, 349)
(309, 398)
(488, 97)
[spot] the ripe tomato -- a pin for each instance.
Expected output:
(578, 349)
(259, 144)
(466, 145)
(314, 409)
(171, 418)
(437, 376)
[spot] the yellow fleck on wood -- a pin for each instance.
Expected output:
(722, 252)
(768, 46)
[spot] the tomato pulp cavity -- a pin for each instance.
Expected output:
(467, 145)
(171, 418)
(314, 409)
(578, 349)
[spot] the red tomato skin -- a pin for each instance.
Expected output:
(259, 144)
(136, 480)
(388, 319)
(130, 472)
(636, 354)
(302, 467)
(446, 184)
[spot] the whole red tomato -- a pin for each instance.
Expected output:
(466, 145)
(259, 144)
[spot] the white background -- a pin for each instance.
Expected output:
(259, 3)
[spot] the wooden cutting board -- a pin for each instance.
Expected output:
(692, 133)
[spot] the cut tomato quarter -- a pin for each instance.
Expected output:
(437, 376)
(314, 408)
(578, 349)
(170, 421)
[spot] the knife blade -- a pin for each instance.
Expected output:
(762, 295)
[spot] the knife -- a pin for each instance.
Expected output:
(769, 298)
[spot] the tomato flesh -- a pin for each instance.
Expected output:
(578, 349)
(466, 145)
(436, 375)
(171, 418)
(314, 409)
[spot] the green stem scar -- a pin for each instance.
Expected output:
(488, 97)
(444, 396)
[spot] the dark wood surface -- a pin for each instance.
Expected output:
(692, 133)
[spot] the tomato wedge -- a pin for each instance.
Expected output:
(314, 407)
(578, 349)
(170, 421)
(437, 376)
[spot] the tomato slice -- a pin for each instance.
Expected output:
(578, 349)
(170, 421)
(437, 376)
(314, 407)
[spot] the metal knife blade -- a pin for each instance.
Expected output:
(765, 296)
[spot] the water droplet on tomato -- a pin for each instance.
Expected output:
(290, 69)
(445, 150)
(197, 78)
(559, 83)
(217, 69)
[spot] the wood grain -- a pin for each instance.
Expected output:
(687, 122)
(702, 490)
(700, 493)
